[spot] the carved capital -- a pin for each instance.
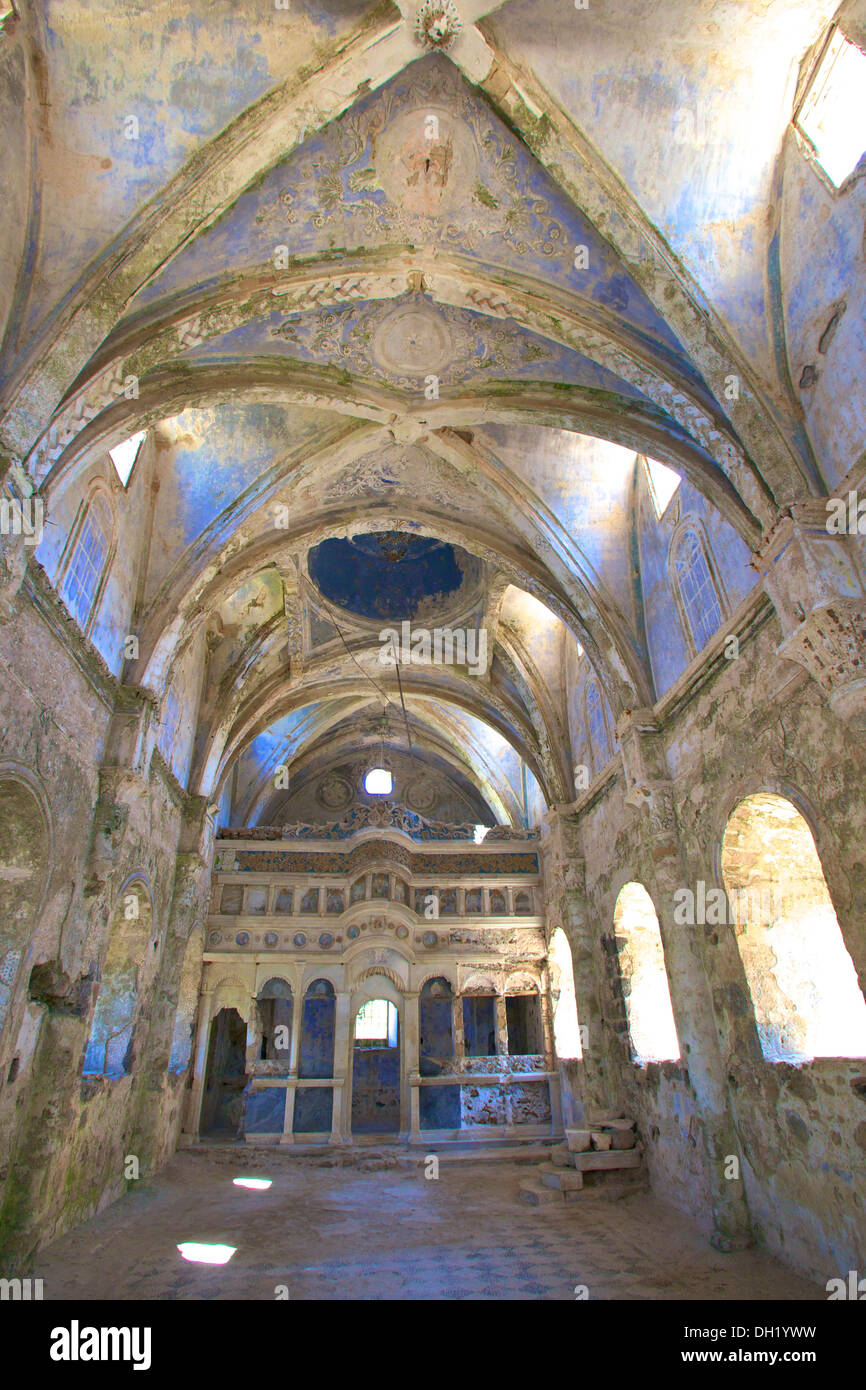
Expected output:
(812, 576)
(831, 644)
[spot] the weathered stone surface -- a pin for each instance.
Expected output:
(560, 433)
(561, 1179)
(536, 1194)
(598, 1162)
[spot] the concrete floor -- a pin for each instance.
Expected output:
(386, 1232)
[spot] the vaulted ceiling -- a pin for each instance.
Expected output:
(355, 285)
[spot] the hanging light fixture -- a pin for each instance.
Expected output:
(379, 781)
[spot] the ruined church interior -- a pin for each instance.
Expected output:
(433, 650)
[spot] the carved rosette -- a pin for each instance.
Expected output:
(437, 24)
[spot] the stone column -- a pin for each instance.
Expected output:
(501, 1026)
(187, 911)
(568, 906)
(287, 1136)
(410, 1100)
(546, 1008)
(196, 1095)
(254, 1032)
(297, 1027)
(458, 1034)
(341, 1118)
(688, 975)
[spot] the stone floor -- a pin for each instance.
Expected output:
(379, 1229)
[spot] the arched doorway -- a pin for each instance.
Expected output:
(376, 1068)
(225, 1076)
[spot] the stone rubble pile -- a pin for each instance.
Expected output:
(605, 1160)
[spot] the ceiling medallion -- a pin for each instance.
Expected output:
(413, 340)
(438, 24)
(393, 545)
(334, 792)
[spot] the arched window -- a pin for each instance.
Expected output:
(696, 588)
(88, 562)
(802, 980)
(275, 1020)
(596, 724)
(651, 1027)
(566, 1029)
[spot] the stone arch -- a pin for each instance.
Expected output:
(521, 982)
(478, 983)
(376, 971)
(441, 974)
(231, 993)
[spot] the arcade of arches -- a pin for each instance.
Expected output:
(436, 401)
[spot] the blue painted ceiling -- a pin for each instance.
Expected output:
(357, 575)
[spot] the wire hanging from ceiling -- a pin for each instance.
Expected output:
(378, 688)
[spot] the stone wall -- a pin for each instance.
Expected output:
(65, 1138)
(753, 724)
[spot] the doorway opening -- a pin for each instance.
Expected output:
(376, 1069)
(222, 1107)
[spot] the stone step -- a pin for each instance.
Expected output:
(613, 1158)
(560, 1155)
(578, 1140)
(561, 1179)
(535, 1194)
(623, 1139)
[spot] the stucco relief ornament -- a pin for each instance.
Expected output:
(437, 24)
